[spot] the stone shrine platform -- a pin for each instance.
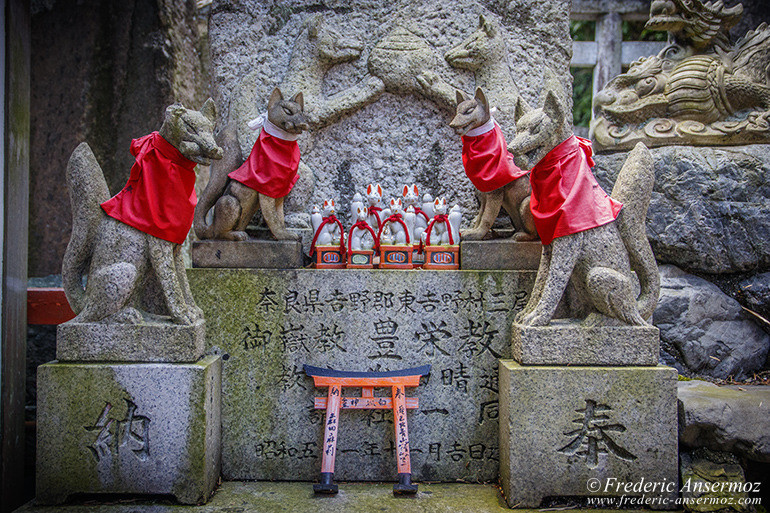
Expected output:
(266, 497)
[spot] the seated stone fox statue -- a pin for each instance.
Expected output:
(261, 182)
(129, 245)
(491, 169)
(591, 241)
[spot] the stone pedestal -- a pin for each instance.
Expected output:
(583, 431)
(250, 254)
(148, 342)
(567, 342)
(126, 428)
(500, 254)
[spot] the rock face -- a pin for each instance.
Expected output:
(368, 128)
(102, 72)
(705, 332)
(709, 210)
(725, 418)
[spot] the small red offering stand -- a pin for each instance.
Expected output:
(336, 380)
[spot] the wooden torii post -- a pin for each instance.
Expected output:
(336, 380)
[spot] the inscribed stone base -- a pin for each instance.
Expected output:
(579, 431)
(122, 428)
(147, 342)
(500, 254)
(267, 324)
(567, 342)
(249, 254)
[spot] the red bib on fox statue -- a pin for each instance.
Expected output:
(271, 168)
(159, 197)
(486, 159)
(566, 198)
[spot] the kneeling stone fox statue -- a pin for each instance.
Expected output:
(129, 246)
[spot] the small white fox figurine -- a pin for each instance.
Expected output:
(376, 213)
(325, 227)
(401, 233)
(361, 238)
(445, 229)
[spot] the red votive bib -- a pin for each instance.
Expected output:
(271, 168)
(487, 161)
(159, 197)
(566, 198)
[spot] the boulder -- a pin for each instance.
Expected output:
(705, 332)
(725, 418)
(709, 207)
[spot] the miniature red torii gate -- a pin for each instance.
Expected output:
(336, 380)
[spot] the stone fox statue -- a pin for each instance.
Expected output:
(589, 243)
(263, 181)
(491, 168)
(129, 246)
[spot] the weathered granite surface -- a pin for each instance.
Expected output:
(400, 136)
(705, 332)
(709, 210)
(146, 342)
(256, 254)
(267, 324)
(564, 431)
(569, 343)
(500, 254)
(728, 419)
(129, 429)
(720, 472)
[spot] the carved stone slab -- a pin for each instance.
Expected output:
(565, 343)
(267, 324)
(569, 431)
(128, 429)
(148, 342)
(500, 254)
(254, 254)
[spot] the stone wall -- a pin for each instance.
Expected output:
(398, 136)
(267, 324)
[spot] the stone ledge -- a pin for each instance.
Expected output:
(565, 343)
(147, 342)
(500, 254)
(254, 254)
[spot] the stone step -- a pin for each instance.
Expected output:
(262, 496)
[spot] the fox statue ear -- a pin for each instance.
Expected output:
(522, 107)
(406, 190)
(552, 107)
(482, 99)
(299, 99)
(414, 188)
(209, 110)
(488, 27)
(379, 189)
(275, 97)
(369, 189)
(461, 96)
(175, 111)
(314, 26)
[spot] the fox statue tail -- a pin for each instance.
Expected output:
(227, 139)
(88, 190)
(633, 188)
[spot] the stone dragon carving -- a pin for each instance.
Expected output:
(700, 89)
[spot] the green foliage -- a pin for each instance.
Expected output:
(582, 95)
(635, 31)
(582, 30)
